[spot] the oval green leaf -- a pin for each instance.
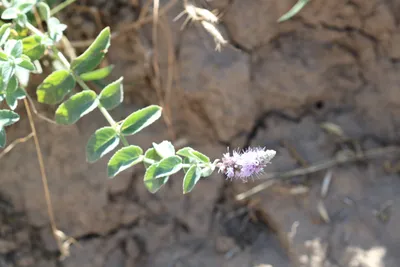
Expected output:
(168, 166)
(76, 107)
(8, 117)
(140, 119)
(193, 154)
(112, 95)
(100, 143)
(4, 33)
(3, 137)
(55, 87)
(97, 74)
(7, 71)
(164, 149)
(151, 183)
(10, 93)
(192, 176)
(44, 10)
(123, 159)
(92, 57)
(33, 47)
(9, 13)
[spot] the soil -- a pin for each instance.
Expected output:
(273, 86)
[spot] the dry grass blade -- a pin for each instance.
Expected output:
(43, 175)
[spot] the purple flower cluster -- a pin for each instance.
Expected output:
(246, 164)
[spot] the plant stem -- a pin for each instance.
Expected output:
(61, 6)
(43, 175)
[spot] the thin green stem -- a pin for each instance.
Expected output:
(150, 161)
(34, 29)
(61, 6)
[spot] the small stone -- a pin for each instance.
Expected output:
(224, 243)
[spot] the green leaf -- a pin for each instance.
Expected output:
(92, 57)
(153, 184)
(3, 137)
(193, 154)
(10, 93)
(112, 95)
(44, 11)
(12, 98)
(33, 47)
(76, 107)
(164, 149)
(101, 142)
(13, 48)
(151, 154)
(26, 63)
(294, 10)
(192, 176)
(168, 166)
(140, 119)
(3, 56)
(26, 6)
(4, 33)
(97, 74)
(10, 13)
(7, 71)
(8, 117)
(123, 159)
(55, 87)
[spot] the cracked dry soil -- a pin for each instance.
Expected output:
(337, 61)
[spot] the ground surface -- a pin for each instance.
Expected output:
(337, 62)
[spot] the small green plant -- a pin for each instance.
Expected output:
(22, 45)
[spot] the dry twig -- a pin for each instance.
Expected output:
(272, 177)
(14, 143)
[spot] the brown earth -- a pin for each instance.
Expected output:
(337, 61)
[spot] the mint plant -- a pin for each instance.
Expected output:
(22, 46)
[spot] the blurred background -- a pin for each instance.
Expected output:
(322, 89)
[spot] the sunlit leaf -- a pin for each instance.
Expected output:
(76, 107)
(8, 117)
(123, 159)
(112, 95)
(92, 57)
(10, 13)
(168, 166)
(44, 10)
(4, 33)
(97, 74)
(151, 183)
(140, 119)
(100, 143)
(33, 47)
(191, 178)
(55, 87)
